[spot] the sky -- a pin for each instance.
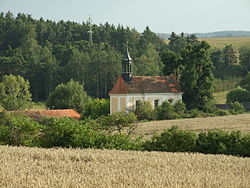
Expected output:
(162, 16)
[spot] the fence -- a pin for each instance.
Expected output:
(246, 105)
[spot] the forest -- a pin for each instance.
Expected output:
(48, 53)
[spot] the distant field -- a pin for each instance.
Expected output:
(220, 97)
(237, 42)
(35, 106)
(34, 167)
(226, 123)
(38, 106)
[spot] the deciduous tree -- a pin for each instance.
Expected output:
(69, 95)
(14, 93)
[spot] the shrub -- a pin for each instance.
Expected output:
(179, 107)
(220, 112)
(166, 111)
(195, 113)
(144, 111)
(232, 142)
(19, 130)
(240, 95)
(236, 108)
(123, 142)
(118, 121)
(95, 108)
(65, 132)
(242, 147)
(172, 140)
(211, 142)
(221, 142)
(217, 142)
(245, 82)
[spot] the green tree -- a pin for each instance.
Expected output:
(171, 62)
(40, 67)
(149, 63)
(95, 108)
(245, 58)
(195, 72)
(229, 55)
(177, 42)
(69, 95)
(245, 82)
(14, 93)
(196, 78)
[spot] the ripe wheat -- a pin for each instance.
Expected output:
(34, 167)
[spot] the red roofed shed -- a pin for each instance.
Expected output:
(50, 113)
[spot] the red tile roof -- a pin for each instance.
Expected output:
(147, 84)
(51, 113)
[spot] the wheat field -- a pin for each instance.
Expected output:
(34, 167)
(227, 123)
(237, 42)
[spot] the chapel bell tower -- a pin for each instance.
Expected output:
(127, 67)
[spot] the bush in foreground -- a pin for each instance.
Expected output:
(211, 142)
(19, 130)
(51, 132)
(172, 140)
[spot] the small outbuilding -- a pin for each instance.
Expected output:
(38, 114)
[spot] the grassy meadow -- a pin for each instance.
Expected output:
(35, 167)
(227, 123)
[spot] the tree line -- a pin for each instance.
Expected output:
(48, 53)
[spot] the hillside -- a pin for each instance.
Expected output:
(226, 123)
(33, 167)
(216, 34)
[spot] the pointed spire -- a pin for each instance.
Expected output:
(127, 57)
(127, 66)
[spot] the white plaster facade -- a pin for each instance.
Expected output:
(124, 102)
